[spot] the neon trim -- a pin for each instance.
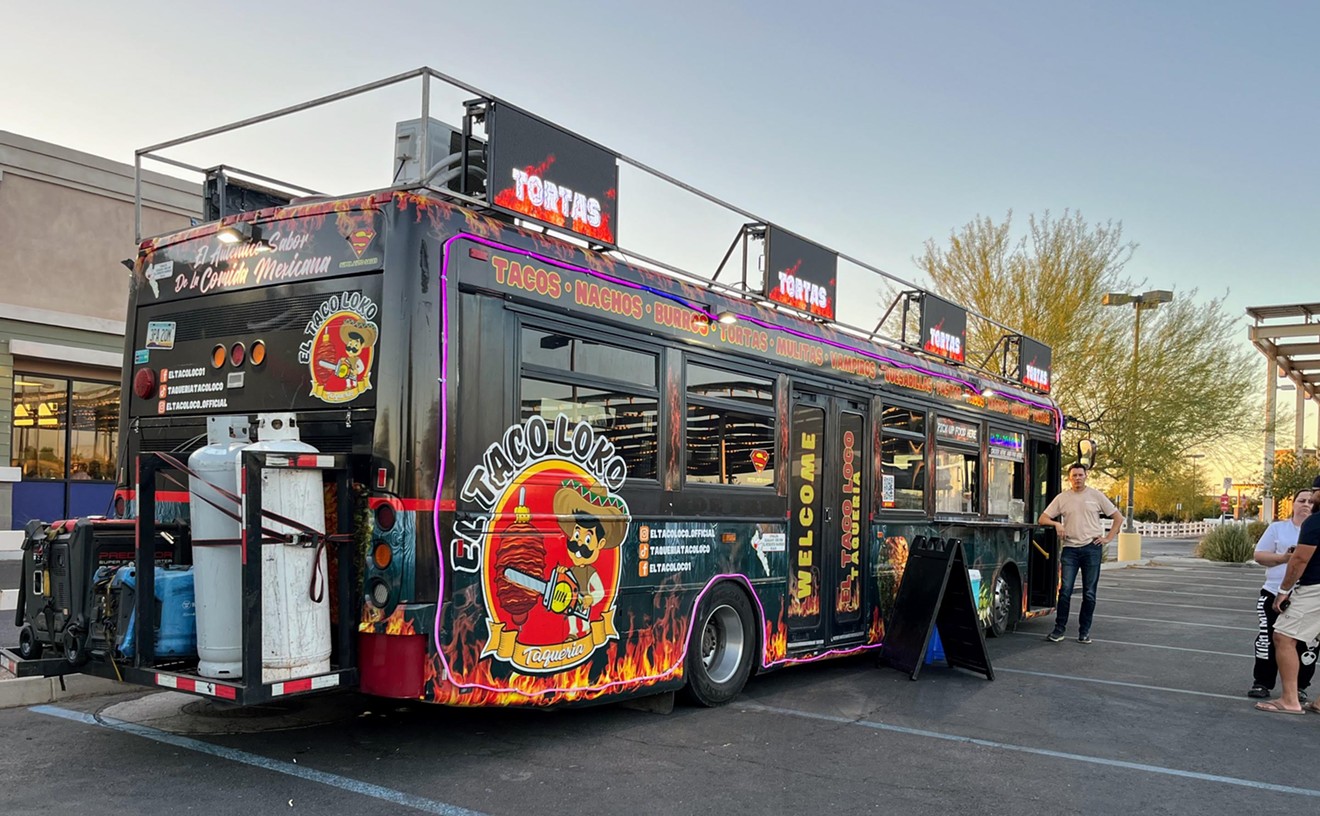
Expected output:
(449, 675)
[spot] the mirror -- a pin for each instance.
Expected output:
(1086, 452)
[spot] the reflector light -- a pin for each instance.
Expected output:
(257, 354)
(382, 556)
(144, 383)
(237, 354)
(381, 476)
(385, 517)
(218, 355)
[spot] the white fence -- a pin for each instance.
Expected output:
(1176, 529)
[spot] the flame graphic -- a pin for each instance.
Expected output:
(643, 655)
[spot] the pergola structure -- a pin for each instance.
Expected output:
(1289, 337)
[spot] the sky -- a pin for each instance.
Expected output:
(868, 127)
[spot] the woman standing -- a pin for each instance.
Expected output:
(1273, 551)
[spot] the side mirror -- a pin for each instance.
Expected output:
(1086, 452)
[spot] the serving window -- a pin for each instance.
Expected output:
(1006, 476)
(957, 466)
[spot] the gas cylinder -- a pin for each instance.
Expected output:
(217, 557)
(295, 630)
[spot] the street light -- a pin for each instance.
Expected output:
(1143, 301)
(1196, 479)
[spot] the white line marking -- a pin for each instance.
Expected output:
(257, 761)
(1244, 596)
(1176, 606)
(1156, 646)
(1024, 749)
(1179, 623)
(1121, 683)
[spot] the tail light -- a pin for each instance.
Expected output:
(237, 354)
(144, 383)
(257, 354)
(218, 356)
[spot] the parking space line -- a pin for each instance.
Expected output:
(1179, 623)
(265, 763)
(1046, 752)
(1251, 598)
(1123, 683)
(1157, 646)
(1154, 581)
(1175, 606)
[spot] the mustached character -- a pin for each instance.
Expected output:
(592, 521)
(357, 336)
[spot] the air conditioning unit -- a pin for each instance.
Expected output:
(445, 157)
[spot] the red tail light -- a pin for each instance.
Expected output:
(144, 383)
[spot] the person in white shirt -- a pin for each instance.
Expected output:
(1273, 551)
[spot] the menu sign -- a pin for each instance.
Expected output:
(540, 172)
(943, 328)
(967, 433)
(1034, 364)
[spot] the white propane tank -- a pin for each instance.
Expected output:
(295, 631)
(217, 557)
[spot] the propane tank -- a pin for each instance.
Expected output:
(295, 630)
(217, 557)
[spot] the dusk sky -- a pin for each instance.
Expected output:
(868, 127)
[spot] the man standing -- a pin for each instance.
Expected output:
(1298, 602)
(1076, 514)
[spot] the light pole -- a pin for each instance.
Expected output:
(1129, 543)
(1196, 479)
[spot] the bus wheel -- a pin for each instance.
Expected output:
(29, 648)
(719, 655)
(1004, 606)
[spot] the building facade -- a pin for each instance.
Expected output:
(66, 226)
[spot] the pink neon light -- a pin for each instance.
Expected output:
(444, 436)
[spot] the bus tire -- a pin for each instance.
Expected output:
(1005, 605)
(719, 654)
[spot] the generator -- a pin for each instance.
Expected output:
(67, 593)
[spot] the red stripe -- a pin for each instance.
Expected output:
(426, 505)
(161, 495)
(295, 686)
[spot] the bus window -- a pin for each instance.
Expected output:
(903, 458)
(957, 463)
(630, 416)
(1005, 485)
(730, 428)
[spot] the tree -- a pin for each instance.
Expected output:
(1194, 388)
(1291, 474)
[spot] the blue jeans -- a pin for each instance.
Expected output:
(1087, 559)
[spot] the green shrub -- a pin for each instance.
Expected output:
(1228, 542)
(1256, 529)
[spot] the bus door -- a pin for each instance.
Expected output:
(1043, 562)
(829, 489)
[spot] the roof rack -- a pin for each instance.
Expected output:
(778, 268)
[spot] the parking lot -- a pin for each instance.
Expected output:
(1151, 718)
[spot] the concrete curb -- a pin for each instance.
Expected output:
(8, 599)
(30, 691)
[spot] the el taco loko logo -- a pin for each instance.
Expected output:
(547, 548)
(342, 350)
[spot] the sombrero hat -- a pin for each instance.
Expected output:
(576, 497)
(363, 327)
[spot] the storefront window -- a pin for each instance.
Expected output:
(40, 429)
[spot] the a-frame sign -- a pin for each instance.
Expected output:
(935, 591)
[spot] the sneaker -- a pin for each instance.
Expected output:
(1260, 693)
(1054, 637)
(1301, 696)
(1081, 638)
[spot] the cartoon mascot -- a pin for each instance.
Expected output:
(358, 336)
(592, 520)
